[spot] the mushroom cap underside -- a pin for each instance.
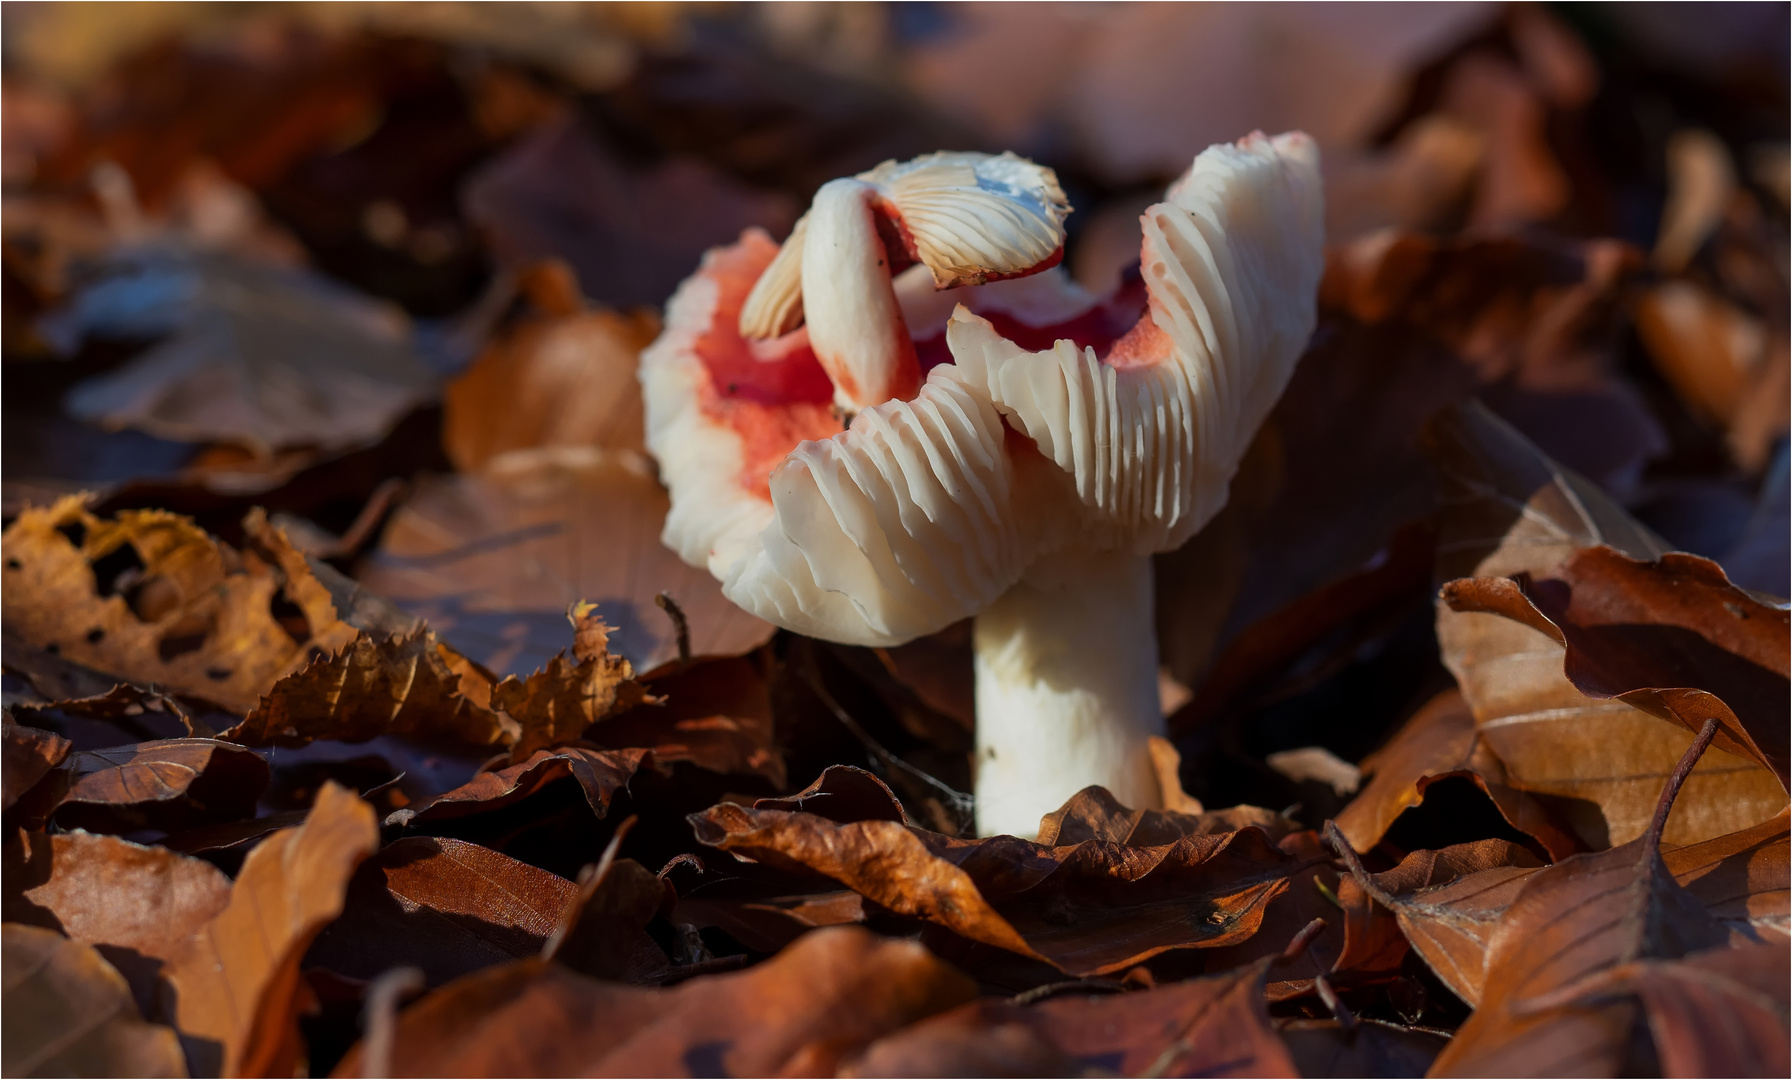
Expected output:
(924, 511)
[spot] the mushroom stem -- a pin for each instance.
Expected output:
(855, 325)
(1066, 665)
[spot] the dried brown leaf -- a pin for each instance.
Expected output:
(1439, 742)
(233, 987)
(1572, 922)
(602, 929)
(716, 714)
(1672, 637)
(564, 378)
(165, 784)
(1595, 765)
(600, 773)
(29, 756)
(176, 609)
(1448, 903)
(1214, 1026)
(135, 904)
(812, 1006)
(68, 1013)
(1722, 1012)
(1088, 908)
(556, 704)
(443, 906)
(410, 684)
(1742, 879)
(493, 559)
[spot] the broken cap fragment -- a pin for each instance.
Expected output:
(969, 218)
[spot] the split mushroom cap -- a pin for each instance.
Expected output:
(1153, 431)
(927, 509)
(968, 218)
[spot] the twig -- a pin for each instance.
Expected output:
(679, 625)
(380, 1017)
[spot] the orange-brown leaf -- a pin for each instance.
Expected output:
(68, 1013)
(234, 987)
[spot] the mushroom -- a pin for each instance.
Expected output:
(1024, 483)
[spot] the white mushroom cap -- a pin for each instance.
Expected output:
(925, 511)
(1152, 432)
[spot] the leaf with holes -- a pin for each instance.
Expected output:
(149, 597)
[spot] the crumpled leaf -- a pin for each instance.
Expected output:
(29, 756)
(492, 560)
(233, 988)
(1088, 908)
(600, 773)
(407, 684)
(259, 356)
(68, 1013)
(1672, 637)
(149, 597)
(165, 784)
(135, 904)
(1094, 814)
(1213, 1026)
(443, 906)
(818, 1002)
(123, 710)
(1596, 765)
(1570, 923)
(563, 378)
(557, 703)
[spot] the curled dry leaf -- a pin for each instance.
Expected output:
(817, 1003)
(135, 904)
(1214, 1026)
(1596, 765)
(68, 1013)
(443, 906)
(29, 755)
(1439, 742)
(1672, 637)
(565, 378)
(1088, 908)
(1448, 902)
(407, 684)
(124, 710)
(602, 930)
(1572, 922)
(556, 704)
(148, 596)
(234, 990)
(600, 773)
(493, 559)
(166, 784)
(1094, 814)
